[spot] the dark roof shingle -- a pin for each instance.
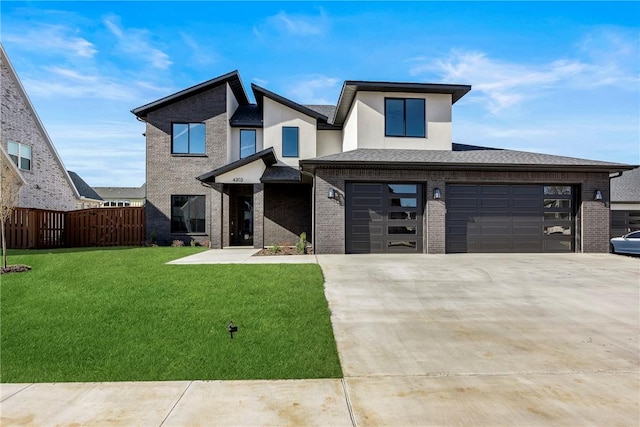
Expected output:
(462, 156)
(626, 187)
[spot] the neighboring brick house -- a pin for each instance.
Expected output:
(378, 172)
(625, 202)
(47, 183)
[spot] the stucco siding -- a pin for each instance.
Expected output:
(365, 124)
(275, 117)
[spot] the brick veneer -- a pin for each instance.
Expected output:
(287, 213)
(592, 228)
(47, 186)
(169, 174)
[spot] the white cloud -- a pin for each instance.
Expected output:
(605, 58)
(134, 42)
(51, 39)
(293, 25)
(314, 89)
(199, 55)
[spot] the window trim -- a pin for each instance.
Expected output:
(19, 158)
(204, 218)
(188, 153)
(404, 118)
(255, 142)
(297, 141)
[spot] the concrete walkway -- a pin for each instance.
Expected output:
(481, 340)
(243, 256)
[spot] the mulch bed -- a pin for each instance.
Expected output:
(284, 250)
(14, 269)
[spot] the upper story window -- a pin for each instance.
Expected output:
(20, 154)
(290, 143)
(247, 142)
(188, 138)
(404, 117)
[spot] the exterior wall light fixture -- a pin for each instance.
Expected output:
(437, 194)
(597, 196)
(332, 193)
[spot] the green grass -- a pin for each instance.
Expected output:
(122, 315)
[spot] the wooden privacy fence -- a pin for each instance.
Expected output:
(39, 228)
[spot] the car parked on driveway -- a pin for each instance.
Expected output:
(627, 244)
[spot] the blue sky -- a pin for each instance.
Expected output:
(558, 78)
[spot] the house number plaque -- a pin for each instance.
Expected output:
(238, 179)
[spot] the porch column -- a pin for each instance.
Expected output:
(258, 216)
(215, 233)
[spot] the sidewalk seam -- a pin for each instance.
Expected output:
(175, 404)
(17, 392)
(348, 400)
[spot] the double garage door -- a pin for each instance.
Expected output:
(510, 218)
(388, 217)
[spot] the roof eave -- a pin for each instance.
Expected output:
(312, 165)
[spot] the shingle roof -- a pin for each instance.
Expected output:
(123, 193)
(83, 188)
(326, 110)
(247, 115)
(280, 174)
(462, 156)
(626, 188)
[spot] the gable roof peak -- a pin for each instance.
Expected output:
(232, 78)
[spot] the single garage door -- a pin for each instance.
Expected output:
(383, 217)
(510, 218)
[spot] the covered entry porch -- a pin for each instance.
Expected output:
(258, 202)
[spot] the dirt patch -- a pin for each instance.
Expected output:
(19, 268)
(283, 250)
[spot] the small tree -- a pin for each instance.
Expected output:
(10, 183)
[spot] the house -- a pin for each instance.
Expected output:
(625, 202)
(22, 134)
(377, 172)
(88, 197)
(11, 180)
(121, 196)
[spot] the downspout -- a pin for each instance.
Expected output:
(313, 207)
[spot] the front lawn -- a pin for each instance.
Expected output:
(123, 315)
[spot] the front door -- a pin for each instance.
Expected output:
(243, 230)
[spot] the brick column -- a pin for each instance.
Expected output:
(258, 216)
(435, 219)
(215, 233)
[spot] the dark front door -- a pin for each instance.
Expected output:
(243, 224)
(383, 217)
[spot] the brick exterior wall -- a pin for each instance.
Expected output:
(47, 186)
(287, 213)
(592, 223)
(169, 174)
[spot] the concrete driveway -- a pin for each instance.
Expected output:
(510, 339)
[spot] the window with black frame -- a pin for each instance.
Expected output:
(247, 142)
(405, 117)
(187, 214)
(188, 138)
